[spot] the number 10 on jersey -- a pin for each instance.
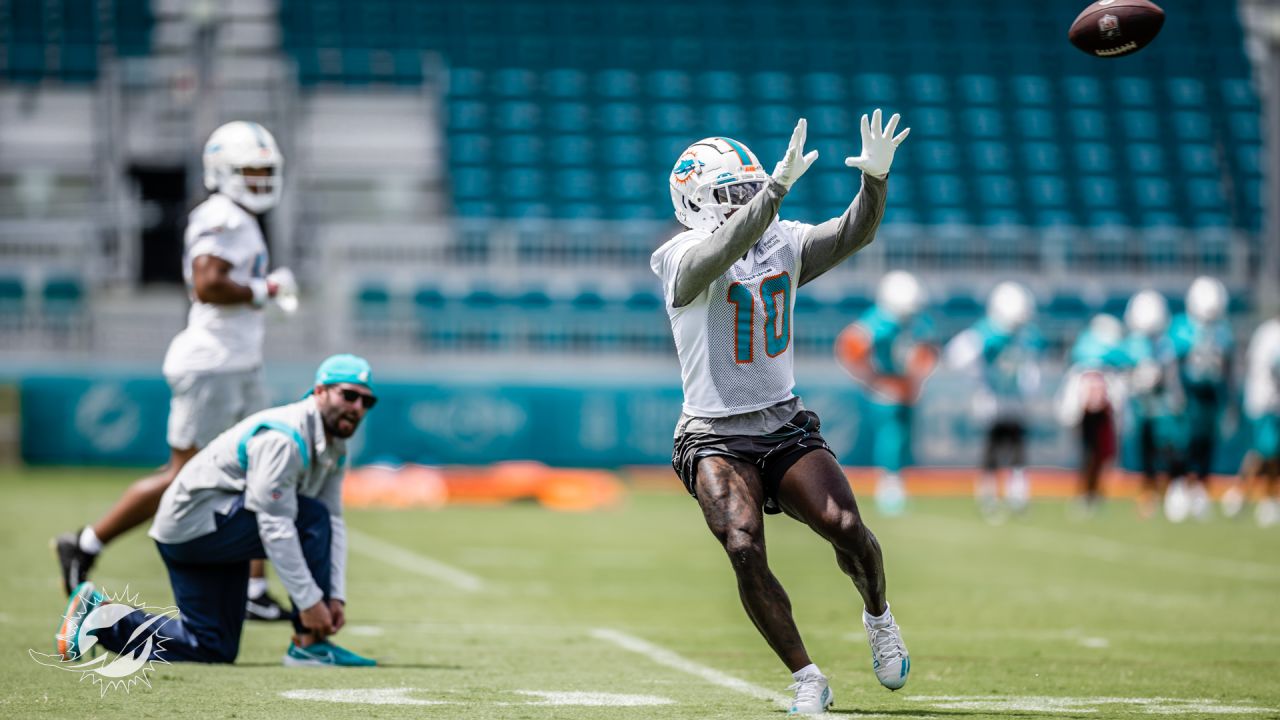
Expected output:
(775, 296)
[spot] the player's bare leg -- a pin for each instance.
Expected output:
(140, 500)
(816, 492)
(731, 493)
(78, 550)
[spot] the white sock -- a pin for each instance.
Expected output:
(986, 487)
(1017, 488)
(89, 541)
(880, 621)
(257, 586)
(806, 671)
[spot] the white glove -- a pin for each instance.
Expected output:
(795, 162)
(286, 296)
(877, 145)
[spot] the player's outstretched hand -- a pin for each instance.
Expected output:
(795, 162)
(878, 145)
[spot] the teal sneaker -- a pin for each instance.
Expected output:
(84, 600)
(324, 654)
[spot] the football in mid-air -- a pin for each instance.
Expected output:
(1112, 28)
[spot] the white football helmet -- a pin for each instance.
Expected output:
(900, 295)
(1207, 299)
(234, 147)
(1106, 328)
(711, 179)
(1010, 306)
(1147, 313)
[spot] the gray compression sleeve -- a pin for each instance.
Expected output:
(830, 243)
(708, 260)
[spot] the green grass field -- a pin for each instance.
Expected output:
(1042, 617)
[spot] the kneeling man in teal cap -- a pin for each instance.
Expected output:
(269, 487)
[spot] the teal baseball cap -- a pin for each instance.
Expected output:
(344, 368)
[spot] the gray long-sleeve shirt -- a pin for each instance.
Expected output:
(271, 458)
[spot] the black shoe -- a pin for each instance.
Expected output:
(265, 608)
(75, 562)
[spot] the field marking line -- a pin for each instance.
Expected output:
(671, 659)
(362, 696)
(406, 559)
(1117, 551)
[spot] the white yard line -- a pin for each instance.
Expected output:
(406, 559)
(668, 658)
(1115, 551)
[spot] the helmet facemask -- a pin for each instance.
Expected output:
(242, 161)
(250, 187)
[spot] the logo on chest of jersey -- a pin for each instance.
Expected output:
(767, 244)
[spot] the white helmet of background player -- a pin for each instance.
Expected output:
(900, 295)
(1106, 329)
(1010, 306)
(711, 179)
(1147, 313)
(1207, 299)
(234, 147)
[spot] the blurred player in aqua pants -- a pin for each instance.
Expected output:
(888, 353)
(1156, 401)
(1262, 407)
(1002, 353)
(1203, 344)
(1091, 390)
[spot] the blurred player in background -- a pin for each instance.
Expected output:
(888, 352)
(214, 366)
(1203, 344)
(1091, 391)
(268, 486)
(1155, 393)
(1001, 353)
(1262, 407)
(744, 444)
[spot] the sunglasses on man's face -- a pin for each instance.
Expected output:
(352, 396)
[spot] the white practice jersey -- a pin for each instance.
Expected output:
(1262, 374)
(220, 338)
(734, 339)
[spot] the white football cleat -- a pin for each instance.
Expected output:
(1233, 501)
(1267, 513)
(889, 656)
(1177, 502)
(891, 495)
(813, 695)
(1201, 506)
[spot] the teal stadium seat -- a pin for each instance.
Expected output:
(1036, 135)
(12, 296)
(63, 295)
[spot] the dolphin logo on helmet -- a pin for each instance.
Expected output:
(711, 179)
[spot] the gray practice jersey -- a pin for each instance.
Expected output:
(270, 458)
